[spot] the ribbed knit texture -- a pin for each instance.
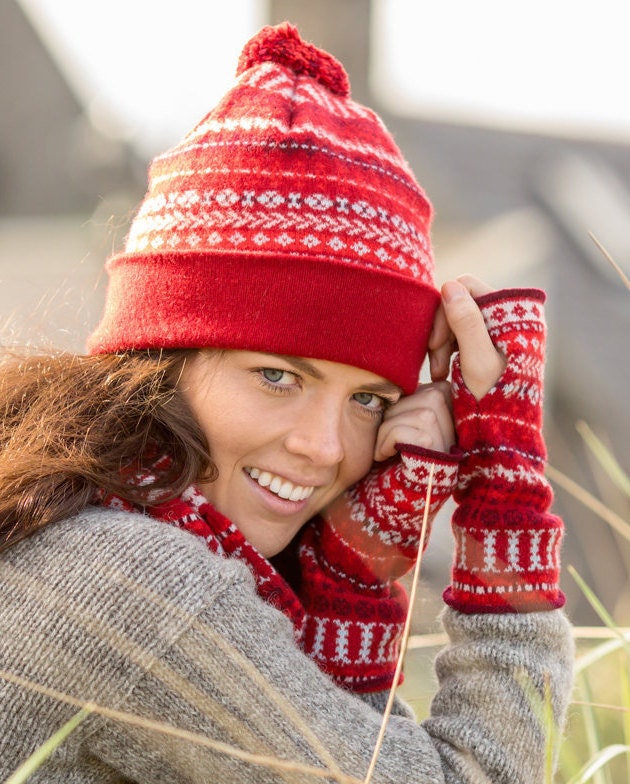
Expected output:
(141, 617)
(287, 220)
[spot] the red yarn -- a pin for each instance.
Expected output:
(282, 44)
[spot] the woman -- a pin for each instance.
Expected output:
(253, 384)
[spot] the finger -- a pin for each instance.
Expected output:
(475, 286)
(481, 362)
(423, 419)
(440, 346)
(430, 402)
(440, 330)
(408, 434)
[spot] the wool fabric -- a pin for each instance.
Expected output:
(118, 610)
(287, 221)
(507, 543)
(347, 610)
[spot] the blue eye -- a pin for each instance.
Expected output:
(370, 400)
(274, 375)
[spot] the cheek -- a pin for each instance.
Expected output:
(360, 454)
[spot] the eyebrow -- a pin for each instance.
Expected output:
(382, 387)
(301, 364)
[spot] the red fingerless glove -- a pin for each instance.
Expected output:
(506, 542)
(372, 531)
(349, 557)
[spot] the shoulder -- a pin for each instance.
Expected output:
(117, 565)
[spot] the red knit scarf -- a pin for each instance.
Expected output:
(346, 621)
(193, 513)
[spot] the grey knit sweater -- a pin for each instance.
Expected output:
(139, 617)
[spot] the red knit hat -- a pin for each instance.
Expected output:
(286, 221)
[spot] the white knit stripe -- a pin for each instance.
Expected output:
(151, 229)
(258, 74)
(531, 457)
(308, 552)
(513, 312)
(274, 77)
(318, 202)
(507, 588)
(520, 474)
(341, 143)
(265, 143)
(313, 92)
(474, 416)
(306, 127)
(344, 184)
(537, 548)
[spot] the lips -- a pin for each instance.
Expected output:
(280, 486)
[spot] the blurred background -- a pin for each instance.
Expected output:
(514, 117)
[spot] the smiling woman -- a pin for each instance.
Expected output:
(288, 436)
(204, 520)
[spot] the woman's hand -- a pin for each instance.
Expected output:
(459, 326)
(423, 419)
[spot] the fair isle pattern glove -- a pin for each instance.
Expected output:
(506, 542)
(350, 557)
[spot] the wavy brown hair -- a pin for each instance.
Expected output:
(71, 424)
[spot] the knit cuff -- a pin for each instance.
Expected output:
(508, 562)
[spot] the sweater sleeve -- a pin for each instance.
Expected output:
(141, 618)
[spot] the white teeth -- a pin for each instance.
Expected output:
(264, 479)
(285, 490)
(297, 494)
(281, 487)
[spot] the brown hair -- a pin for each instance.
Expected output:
(70, 424)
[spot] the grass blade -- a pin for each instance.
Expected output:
(605, 458)
(405, 634)
(610, 260)
(614, 520)
(625, 698)
(585, 660)
(591, 728)
(597, 762)
(41, 754)
(598, 607)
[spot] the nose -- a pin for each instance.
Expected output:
(316, 433)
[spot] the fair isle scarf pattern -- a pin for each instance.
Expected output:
(347, 610)
(352, 637)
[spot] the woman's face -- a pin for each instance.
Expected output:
(286, 434)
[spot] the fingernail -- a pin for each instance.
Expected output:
(452, 291)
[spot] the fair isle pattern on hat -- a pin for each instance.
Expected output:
(287, 220)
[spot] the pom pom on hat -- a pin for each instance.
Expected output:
(282, 44)
(286, 221)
